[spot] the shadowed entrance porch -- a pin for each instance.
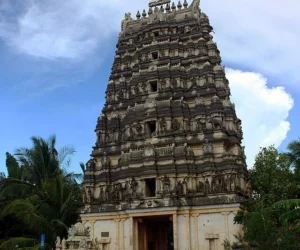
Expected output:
(154, 233)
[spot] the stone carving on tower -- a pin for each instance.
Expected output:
(168, 134)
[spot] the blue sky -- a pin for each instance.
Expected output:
(56, 59)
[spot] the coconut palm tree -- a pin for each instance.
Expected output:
(39, 194)
(294, 154)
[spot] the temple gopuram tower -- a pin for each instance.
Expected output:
(168, 170)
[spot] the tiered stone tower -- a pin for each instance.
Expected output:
(168, 170)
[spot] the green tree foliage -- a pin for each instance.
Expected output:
(294, 157)
(38, 196)
(271, 217)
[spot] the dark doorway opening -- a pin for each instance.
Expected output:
(153, 86)
(155, 55)
(150, 187)
(150, 128)
(156, 33)
(155, 233)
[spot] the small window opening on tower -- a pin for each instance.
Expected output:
(154, 55)
(153, 86)
(150, 188)
(156, 33)
(151, 127)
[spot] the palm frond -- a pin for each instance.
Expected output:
(2, 176)
(51, 141)
(59, 224)
(289, 216)
(82, 166)
(16, 207)
(64, 153)
(20, 243)
(17, 183)
(74, 177)
(287, 204)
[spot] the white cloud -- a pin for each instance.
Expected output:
(56, 29)
(256, 35)
(259, 35)
(263, 110)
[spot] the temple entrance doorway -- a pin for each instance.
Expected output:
(154, 233)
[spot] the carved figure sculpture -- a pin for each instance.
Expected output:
(82, 244)
(179, 189)
(120, 95)
(90, 195)
(249, 189)
(98, 245)
(166, 183)
(133, 91)
(213, 184)
(141, 88)
(101, 196)
(64, 244)
(133, 186)
(207, 186)
(217, 122)
(162, 84)
(122, 79)
(185, 186)
(91, 164)
(207, 147)
(58, 242)
(119, 191)
(87, 231)
(227, 183)
(175, 125)
(139, 128)
(126, 188)
(115, 134)
(84, 198)
(201, 186)
(125, 22)
(115, 113)
(199, 100)
(149, 150)
(105, 161)
(163, 125)
(233, 182)
(107, 191)
(109, 97)
(150, 103)
(196, 10)
(72, 231)
(201, 123)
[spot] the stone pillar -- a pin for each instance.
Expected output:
(122, 234)
(175, 231)
(92, 230)
(117, 222)
(226, 224)
(196, 228)
(136, 235)
(131, 232)
(145, 237)
(188, 230)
